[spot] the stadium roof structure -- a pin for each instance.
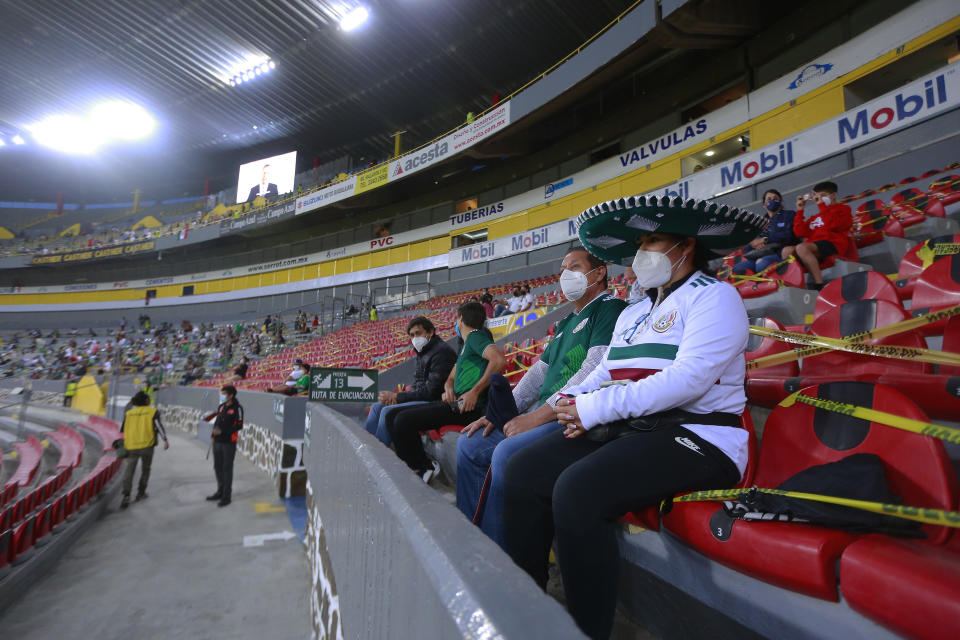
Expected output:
(415, 66)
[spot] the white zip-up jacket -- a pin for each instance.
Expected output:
(687, 354)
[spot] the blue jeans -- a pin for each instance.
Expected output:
(377, 419)
(475, 455)
(757, 265)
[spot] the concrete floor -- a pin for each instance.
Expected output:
(175, 565)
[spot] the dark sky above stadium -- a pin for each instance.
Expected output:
(415, 66)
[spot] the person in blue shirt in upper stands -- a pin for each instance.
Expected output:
(764, 250)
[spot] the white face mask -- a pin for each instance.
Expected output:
(574, 284)
(826, 201)
(654, 269)
(419, 343)
(223, 398)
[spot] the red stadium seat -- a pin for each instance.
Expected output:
(922, 256)
(912, 206)
(6, 547)
(872, 223)
(43, 523)
(910, 587)
(951, 343)
(765, 386)
(855, 317)
(22, 537)
(946, 189)
(862, 285)
(789, 274)
(804, 557)
(938, 287)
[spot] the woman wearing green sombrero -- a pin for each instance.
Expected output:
(658, 416)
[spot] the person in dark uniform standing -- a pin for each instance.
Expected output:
(226, 432)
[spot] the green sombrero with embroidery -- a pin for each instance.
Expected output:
(609, 230)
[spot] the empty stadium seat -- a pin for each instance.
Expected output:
(922, 256)
(910, 587)
(872, 223)
(22, 538)
(789, 274)
(910, 203)
(804, 557)
(946, 189)
(938, 287)
(855, 317)
(765, 386)
(856, 286)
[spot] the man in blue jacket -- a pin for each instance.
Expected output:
(764, 250)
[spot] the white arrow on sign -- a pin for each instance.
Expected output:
(257, 541)
(363, 381)
(321, 382)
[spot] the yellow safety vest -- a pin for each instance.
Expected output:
(138, 428)
(71, 389)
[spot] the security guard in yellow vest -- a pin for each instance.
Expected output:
(140, 427)
(69, 393)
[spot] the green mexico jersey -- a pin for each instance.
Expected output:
(470, 363)
(577, 334)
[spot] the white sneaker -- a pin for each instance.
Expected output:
(431, 473)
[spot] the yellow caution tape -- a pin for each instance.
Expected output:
(948, 434)
(918, 354)
(857, 338)
(918, 514)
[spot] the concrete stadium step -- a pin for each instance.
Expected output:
(932, 227)
(885, 256)
(788, 305)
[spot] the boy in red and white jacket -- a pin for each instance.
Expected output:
(825, 234)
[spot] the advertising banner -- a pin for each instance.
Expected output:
(923, 98)
(488, 124)
(94, 254)
(372, 178)
(333, 193)
(504, 325)
(556, 233)
(268, 216)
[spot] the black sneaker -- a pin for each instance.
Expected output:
(215, 496)
(142, 496)
(223, 502)
(125, 502)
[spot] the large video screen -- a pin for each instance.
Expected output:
(269, 177)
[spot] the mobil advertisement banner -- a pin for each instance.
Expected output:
(552, 234)
(928, 96)
(327, 195)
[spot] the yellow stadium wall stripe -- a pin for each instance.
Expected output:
(777, 124)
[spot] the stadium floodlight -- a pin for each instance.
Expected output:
(709, 153)
(265, 67)
(122, 120)
(69, 134)
(257, 71)
(272, 64)
(2, 142)
(354, 18)
(18, 139)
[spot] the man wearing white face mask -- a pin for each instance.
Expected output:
(581, 340)
(435, 359)
(658, 415)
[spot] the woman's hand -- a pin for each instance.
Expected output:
(469, 400)
(567, 415)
